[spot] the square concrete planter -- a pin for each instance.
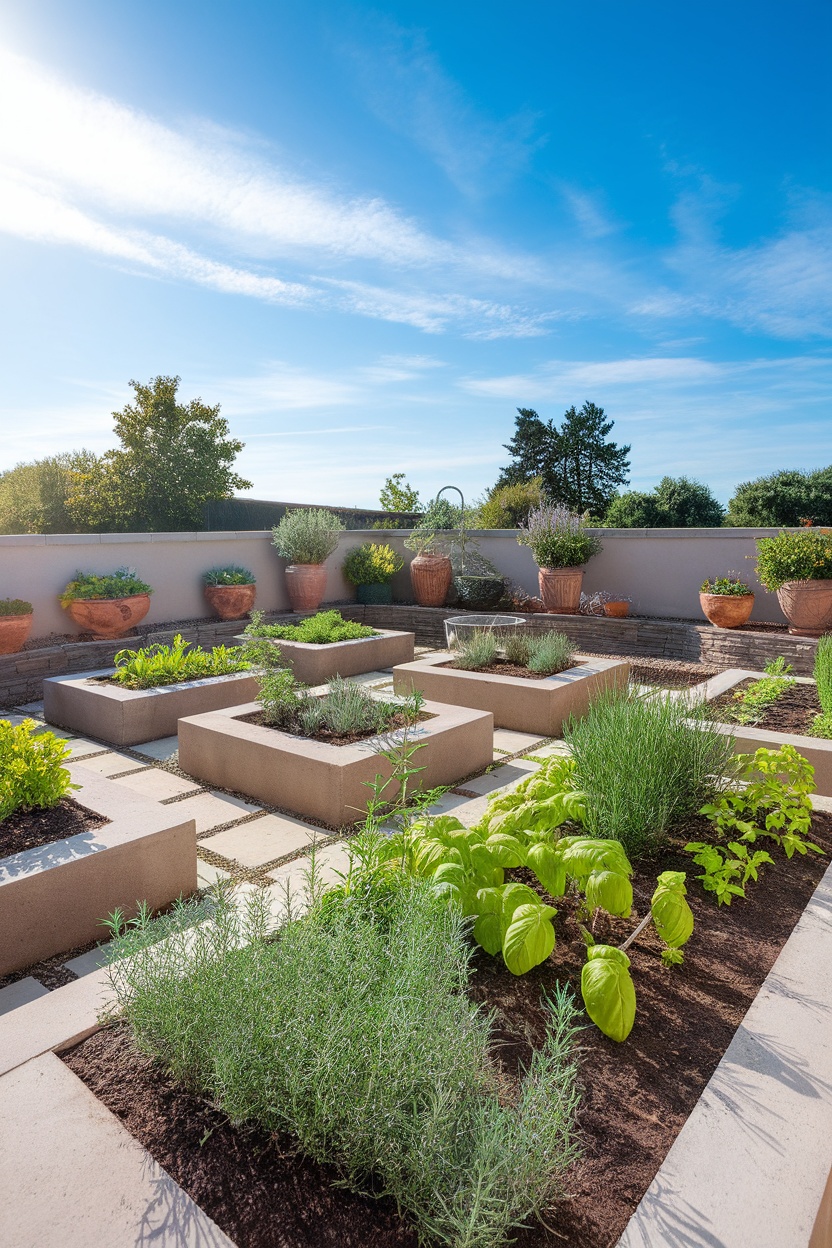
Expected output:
(323, 781)
(315, 665)
(524, 705)
(748, 739)
(52, 898)
(130, 716)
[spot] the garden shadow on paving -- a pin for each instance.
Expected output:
(636, 1095)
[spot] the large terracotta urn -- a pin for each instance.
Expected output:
(231, 602)
(14, 629)
(807, 605)
(306, 585)
(617, 609)
(430, 576)
(107, 618)
(560, 589)
(727, 610)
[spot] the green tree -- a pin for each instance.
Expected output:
(786, 498)
(397, 495)
(507, 506)
(675, 503)
(173, 458)
(34, 498)
(577, 465)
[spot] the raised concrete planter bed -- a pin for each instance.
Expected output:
(323, 781)
(315, 665)
(131, 716)
(525, 705)
(747, 738)
(53, 898)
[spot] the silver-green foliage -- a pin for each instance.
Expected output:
(644, 765)
(307, 535)
(823, 676)
(549, 653)
(355, 1034)
(476, 651)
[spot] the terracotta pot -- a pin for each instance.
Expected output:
(430, 576)
(14, 629)
(231, 602)
(727, 610)
(106, 618)
(306, 583)
(617, 609)
(807, 605)
(560, 589)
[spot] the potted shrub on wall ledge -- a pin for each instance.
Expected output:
(798, 567)
(306, 538)
(431, 570)
(561, 546)
(15, 624)
(370, 568)
(726, 601)
(230, 591)
(107, 606)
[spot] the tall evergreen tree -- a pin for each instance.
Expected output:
(577, 464)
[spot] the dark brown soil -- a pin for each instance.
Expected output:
(502, 667)
(636, 1096)
(668, 673)
(33, 828)
(331, 738)
(794, 710)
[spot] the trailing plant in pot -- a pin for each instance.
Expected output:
(798, 568)
(306, 537)
(431, 570)
(726, 600)
(230, 591)
(107, 605)
(561, 546)
(15, 624)
(370, 568)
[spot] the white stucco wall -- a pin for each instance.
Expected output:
(660, 569)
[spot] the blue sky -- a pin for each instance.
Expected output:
(371, 233)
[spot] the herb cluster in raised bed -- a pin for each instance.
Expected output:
(158, 664)
(527, 655)
(318, 630)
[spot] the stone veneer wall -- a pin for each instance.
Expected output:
(22, 674)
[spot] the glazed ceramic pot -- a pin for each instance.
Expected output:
(430, 576)
(377, 593)
(14, 629)
(306, 585)
(807, 605)
(617, 610)
(727, 610)
(106, 618)
(231, 602)
(560, 589)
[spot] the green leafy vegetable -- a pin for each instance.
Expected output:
(608, 991)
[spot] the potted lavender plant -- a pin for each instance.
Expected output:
(561, 546)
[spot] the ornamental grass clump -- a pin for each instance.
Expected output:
(307, 535)
(557, 537)
(549, 653)
(354, 1033)
(32, 775)
(168, 665)
(822, 724)
(645, 766)
(477, 650)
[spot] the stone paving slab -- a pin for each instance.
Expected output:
(81, 746)
(158, 785)
(111, 764)
(211, 810)
(548, 751)
(79, 1178)
(32, 709)
(513, 742)
(62, 1016)
(21, 992)
(508, 774)
(86, 963)
(207, 875)
(328, 861)
(468, 810)
(161, 750)
(264, 839)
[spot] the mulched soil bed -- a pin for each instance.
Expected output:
(794, 710)
(636, 1096)
(502, 667)
(33, 828)
(664, 673)
(332, 738)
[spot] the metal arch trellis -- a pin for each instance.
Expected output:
(461, 520)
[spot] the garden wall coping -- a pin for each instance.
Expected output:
(751, 1162)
